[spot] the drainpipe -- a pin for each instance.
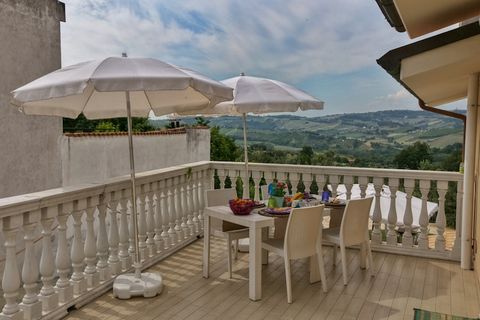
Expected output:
(470, 173)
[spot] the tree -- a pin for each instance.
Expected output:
(305, 156)
(82, 124)
(201, 121)
(412, 156)
(222, 147)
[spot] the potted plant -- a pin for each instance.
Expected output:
(277, 192)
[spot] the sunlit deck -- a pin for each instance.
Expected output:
(401, 284)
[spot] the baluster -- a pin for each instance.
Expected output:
(178, 209)
(195, 213)
(113, 235)
(456, 250)
(183, 205)
(102, 243)
(423, 221)
(333, 179)
(407, 240)
(158, 221)
(150, 223)
(47, 295)
(142, 222)
(90, 249)
(77, 254)
(307, 179)
(392, 213)
(348, 182)
(320, 178)
(294, 180)
(189, 206)
(268, 175)
(131, 234)
(377, 213)
(442, 187)
(256, 175)
(62, 260)
(363, 184)
(31, 306)
(123, 254)
(11, 276)
(203, 186)
(164, 213)
(222, 174)
(171, 209)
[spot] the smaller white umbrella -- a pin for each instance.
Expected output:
(259, 96)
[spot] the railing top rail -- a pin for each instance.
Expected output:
(37, 200)
(365, 172)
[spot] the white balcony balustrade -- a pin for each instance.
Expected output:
(63, 247)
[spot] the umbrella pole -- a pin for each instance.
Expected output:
(246, 183)
(137, 263)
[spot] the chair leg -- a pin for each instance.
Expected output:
(229, 255)
(288, 279)
(363, 256)
(343, 253)
(321, 267)
(370, 260)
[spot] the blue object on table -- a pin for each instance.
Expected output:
(270, 188)
(325, 196)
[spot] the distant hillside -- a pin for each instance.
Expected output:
(349, 134)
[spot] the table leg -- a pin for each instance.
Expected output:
(264, 252)
(255, 265)
(206, 245)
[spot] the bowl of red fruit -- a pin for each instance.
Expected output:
(241, 207)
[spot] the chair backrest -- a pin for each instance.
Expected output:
(304, 231)
(265, 194)
(354, 227)
(220, 197)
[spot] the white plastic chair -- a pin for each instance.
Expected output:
(228, 230)
(303, 238)
(353, 231)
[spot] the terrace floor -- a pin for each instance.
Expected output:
(401, 284)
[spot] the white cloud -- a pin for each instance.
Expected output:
(287, 40)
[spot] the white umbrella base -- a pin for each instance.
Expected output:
(127, 285)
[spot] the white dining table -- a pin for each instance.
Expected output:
(258, 228)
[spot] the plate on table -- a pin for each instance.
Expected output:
(275, 212)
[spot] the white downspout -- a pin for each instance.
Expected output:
(469, 171)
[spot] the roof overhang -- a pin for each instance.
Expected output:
(436, 70)
(425, 16)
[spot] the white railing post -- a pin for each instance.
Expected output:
(11, 276)
(109, 262)
(363, 183)
(456, 250)
(77, 255)
(159, 245)
(164, 213)
(102, 242)
(442, 188)
(31, 306)
(307, 179)
(392, 213)
(294, 180)
(348, 182)
(178, 209)
(142, 222)
(407, 240)
(189, 205)
(423, 221)
(150, 223)
(184, 206)
(171, 210)
(90, 250)
(195, 213)
(333, 179)
(47, 295)
(124, 235)
(377, 213)
(62, 260)
(256, 175)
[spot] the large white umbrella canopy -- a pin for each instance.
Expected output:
(260, 95)
(121, 87)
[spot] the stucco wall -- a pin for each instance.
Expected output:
(29, 48)
(93, 158)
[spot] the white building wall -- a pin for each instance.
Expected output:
(29, 48)
(95, 158)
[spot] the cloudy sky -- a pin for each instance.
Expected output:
(327, 48)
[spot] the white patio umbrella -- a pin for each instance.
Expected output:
(259, 96)
(121, 87)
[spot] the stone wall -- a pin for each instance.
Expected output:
(29, 48)
(97, 157)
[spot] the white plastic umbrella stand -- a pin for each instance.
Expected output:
(246, 184)
(145, 284)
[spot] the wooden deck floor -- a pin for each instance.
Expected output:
(401, 283)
